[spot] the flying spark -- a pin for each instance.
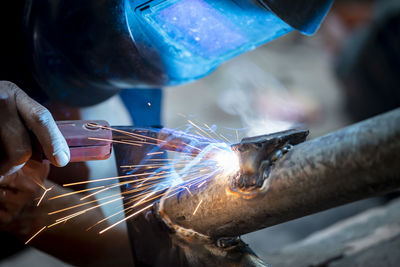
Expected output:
(38, 232)
(42, 197)
(198, 206)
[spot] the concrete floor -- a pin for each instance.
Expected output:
(272, 88)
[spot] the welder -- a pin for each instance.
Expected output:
(69, 54)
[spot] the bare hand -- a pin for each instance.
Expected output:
(18, 114)
(20, 189)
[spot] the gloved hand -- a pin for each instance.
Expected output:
(19, 176)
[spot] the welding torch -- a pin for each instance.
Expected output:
(92, 139)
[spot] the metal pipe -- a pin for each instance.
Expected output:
(360, 161)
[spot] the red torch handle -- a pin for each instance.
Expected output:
(87, 140)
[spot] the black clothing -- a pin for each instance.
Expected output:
(14, 64)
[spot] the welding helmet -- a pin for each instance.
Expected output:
(85, 51)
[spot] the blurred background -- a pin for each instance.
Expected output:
(348, 71)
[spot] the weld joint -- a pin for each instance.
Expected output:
(245, 182)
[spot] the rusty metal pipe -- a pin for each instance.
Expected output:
(357, 162)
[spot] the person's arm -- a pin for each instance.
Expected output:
(21, 180)
(69, 241)
(20, 177)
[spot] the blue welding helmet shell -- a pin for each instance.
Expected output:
(190, 38)
(83, 52)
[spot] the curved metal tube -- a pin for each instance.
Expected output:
(360, 161)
